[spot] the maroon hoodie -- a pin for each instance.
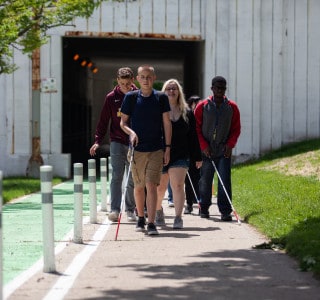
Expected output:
(111, 112)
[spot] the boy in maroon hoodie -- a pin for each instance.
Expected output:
(119, 143)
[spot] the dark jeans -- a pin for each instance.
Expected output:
(194, 174)
(205, 184)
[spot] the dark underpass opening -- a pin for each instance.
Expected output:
(84, 91)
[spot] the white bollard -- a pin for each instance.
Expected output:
(78, 202)
(109, 172)
(1, 251)
(103, 183)
(92, 190)
(47, 219)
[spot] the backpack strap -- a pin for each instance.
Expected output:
(134, 97)
(135, 93)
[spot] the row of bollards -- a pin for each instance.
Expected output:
(47, 208)
(47, 205)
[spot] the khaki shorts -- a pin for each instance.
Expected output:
(147, 167)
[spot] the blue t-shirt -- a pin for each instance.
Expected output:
(146, 118)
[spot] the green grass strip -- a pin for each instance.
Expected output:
(284, 207)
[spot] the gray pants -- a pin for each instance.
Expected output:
(120, 164)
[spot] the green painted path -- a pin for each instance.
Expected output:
(22, 226)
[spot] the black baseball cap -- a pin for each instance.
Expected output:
(219, 79)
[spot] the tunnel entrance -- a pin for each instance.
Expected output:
(84, 91)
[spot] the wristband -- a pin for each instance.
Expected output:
(169, 146)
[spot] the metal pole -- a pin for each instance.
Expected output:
(47, 219)
(103, 183)
(78, 202)
(92, 190)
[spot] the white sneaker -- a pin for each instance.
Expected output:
(113, 216)
(178, 223)
(131, 216)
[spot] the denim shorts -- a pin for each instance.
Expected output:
(180, 163)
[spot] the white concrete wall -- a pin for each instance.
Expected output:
(267, 50)
(15, 115)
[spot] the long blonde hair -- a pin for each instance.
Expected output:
(182, 104)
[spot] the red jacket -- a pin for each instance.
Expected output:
(235, 125)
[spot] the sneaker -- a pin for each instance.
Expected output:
(170, 203)
(188, 210)
(152, 229)
(226, 218)
(178, 223)
(160, 221)
(140, 224)
(113, 216)
(131, 216)
(204, 214)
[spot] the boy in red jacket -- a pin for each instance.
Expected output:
(218, 127)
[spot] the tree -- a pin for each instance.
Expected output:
(24, 24)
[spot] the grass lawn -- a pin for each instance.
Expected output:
(280, 195)
(15, 187)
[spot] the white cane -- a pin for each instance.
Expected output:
(124, 193)
(233, 210)
(194, 191)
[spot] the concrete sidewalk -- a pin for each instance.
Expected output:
(208, 259)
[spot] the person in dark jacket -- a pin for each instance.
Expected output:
(192, 188)
(119, 143)
(218, 128)
(184, 148)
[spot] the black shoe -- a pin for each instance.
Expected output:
(188, 210)
(140, 224)
(204, 214)
(226, 218)
(152, 229)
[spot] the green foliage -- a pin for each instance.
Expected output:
(286, 208)
(303, 242)
(24, 23)
(14, 187)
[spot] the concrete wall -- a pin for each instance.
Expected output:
(267, 50)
